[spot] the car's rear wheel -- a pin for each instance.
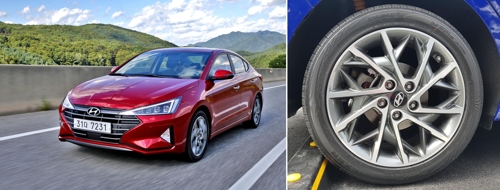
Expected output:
(256, 113)
(197, 137)
(392, 94)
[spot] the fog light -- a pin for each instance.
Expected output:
(166, 135)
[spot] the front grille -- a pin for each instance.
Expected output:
(119, 123)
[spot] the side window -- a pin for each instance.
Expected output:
(163, 64)
(238, 64)
(246, 65)
(221, 62)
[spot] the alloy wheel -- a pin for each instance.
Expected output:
(199, 136)
(256, 111)
(395, 97)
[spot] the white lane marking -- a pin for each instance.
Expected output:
(28, 133)
(260, 167)
(55, 128)
(274, 86)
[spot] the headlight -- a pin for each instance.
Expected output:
(66, 103)
(168, 107)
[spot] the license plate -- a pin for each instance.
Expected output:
(95, 126)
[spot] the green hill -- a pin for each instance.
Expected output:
(243, 41)
(91, 44)
(261, 59)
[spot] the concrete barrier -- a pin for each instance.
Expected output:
(272, 74)
(32, 88)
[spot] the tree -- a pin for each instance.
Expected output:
(278, 62)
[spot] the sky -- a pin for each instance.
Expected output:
(181, 22)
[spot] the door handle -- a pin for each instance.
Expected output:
(253, 81)
(236, 87)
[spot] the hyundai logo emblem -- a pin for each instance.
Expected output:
(399, 99)
(94, 111)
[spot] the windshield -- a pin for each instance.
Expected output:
(166, 64)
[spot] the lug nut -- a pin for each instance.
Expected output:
(409, 86)
(437, 58)
(382, 103)
(413, 105)
(396, 115)
(389, 85)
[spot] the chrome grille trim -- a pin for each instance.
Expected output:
(119, 123)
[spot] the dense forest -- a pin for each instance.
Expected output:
(91, 44)
(263, 58)
(245, 41)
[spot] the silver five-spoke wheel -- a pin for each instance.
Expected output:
(199, 136)
(256, 111)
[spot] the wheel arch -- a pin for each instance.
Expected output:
(328, 13)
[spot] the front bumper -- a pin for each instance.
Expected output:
(143, 138)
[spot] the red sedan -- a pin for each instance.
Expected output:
(164, 101)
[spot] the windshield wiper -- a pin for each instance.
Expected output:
(168, 76)
(145, 75)
(116, 74)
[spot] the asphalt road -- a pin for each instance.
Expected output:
(478, 167)
(40, 161)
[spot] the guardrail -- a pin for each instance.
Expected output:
(27, 88)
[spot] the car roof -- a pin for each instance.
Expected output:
(191, 49)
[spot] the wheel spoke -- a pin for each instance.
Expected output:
(355, 93)
(380, 135)
(200, 123)
(346, 119)
(431, 110)
(423, 139)
(194, 131)
(445, 85)
(390, 137)
(350, 81)
(384, 62)
(357, 103)
(448, 102)
(440, 74)
(389, 51)
(401, 152)
(357, 53)
(423, 53)
(436, 132)
(366, 137)
(398, 51)
(356, 63)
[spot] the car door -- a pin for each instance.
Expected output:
(246, 82)
(224, 96)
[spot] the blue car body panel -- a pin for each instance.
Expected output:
(488, 11)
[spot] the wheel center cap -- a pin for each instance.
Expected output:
(398, 98)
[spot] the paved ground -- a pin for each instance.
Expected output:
(477, 168)
(40, 161)
(297, 133)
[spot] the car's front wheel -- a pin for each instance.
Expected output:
(392, 94)
(197, 137)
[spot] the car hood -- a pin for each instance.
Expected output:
(120, 92)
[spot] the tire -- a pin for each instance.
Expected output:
(333, 120)
(256, 114)
(201, 136)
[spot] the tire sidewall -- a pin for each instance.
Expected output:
(329, 51)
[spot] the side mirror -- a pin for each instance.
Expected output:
(114, 68)
(222, 74)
